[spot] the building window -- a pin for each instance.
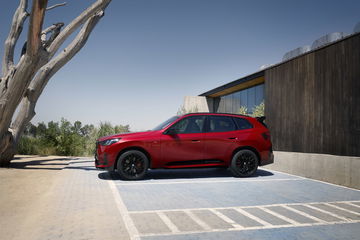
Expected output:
(248, 98)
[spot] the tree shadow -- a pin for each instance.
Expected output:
(155, 174)
(50, 164)
(91, 167)
(24, 157)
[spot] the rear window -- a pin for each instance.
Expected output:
(242, 123)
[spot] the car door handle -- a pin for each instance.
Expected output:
(195, 140)
(233, 138)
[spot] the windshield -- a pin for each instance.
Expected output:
(166, 123)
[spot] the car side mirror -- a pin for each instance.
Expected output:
(170, 131)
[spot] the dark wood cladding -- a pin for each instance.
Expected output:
(313, 101)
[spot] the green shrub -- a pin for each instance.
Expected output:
(65, 138)
(242, 110)
(259, 110)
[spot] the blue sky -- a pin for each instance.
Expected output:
(146, 55)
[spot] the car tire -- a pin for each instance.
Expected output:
(244, 163)
(132, 165)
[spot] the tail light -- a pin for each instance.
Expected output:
(266, 135)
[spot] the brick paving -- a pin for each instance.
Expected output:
(67, 198)
(82, 207)
(77, 205)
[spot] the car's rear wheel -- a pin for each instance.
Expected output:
(244, 163)
(132, 165)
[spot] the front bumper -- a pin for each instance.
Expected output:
(103, 163)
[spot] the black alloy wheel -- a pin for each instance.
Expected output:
(244, 163)
(132, 165)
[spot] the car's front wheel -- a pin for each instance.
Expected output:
(132, 165)
(244, 163)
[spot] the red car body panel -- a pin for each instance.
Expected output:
(188, 150)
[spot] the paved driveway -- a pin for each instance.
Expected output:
(211, 204)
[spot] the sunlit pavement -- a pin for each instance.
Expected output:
(211, 204)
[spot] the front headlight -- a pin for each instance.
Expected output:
(109, 142)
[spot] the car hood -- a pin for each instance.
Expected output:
(127, 135)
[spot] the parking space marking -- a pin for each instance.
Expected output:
(326, 212)
(236, 226)
(168, 222)
(196, 219)
(354, 205)
(124, 213)
(286, 219)
(250, 206)
(231, 217)
(350, 206)
(304, 214)
(193, 181)
(255, 218)
(341, 208)
(226, 219)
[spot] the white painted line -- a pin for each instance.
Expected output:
(192, 181)
(243, 212)
(218, 208)
(354, 205)
(326, 212)
(286, 219)
(129, 224)
(315, 180)
(245, 229)
(226, 219)
(303, 214)
(341, 208)
(168, 222)
(196, 219)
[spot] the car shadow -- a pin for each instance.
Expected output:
(156, 174)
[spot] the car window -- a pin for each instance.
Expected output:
(242, 123)
(221, 124)
(166, 123)
(193, 124)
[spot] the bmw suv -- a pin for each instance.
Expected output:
(238, 142)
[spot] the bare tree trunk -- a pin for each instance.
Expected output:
(24, 82)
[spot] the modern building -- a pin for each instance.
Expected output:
(312, 107)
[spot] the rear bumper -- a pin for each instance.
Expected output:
(269, 159)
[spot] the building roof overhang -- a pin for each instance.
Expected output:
(258, 77)
(237, 85)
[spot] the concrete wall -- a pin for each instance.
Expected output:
(340, 170)
(197, 104)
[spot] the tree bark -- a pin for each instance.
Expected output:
(24, 82)
(27, 106)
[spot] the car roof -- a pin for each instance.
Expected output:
(217, 114)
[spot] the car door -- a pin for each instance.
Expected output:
(183, 142)
(220, 138)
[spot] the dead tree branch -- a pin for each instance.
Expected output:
(27, 107)
(54, 30)
(55, 6)
(15, 31)
(75, 24)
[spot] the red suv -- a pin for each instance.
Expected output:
(239, 142)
